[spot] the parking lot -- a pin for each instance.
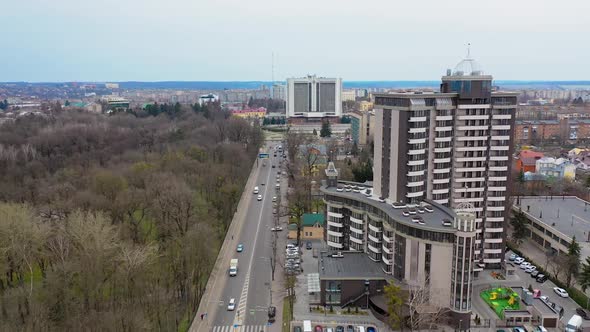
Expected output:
(546, 289)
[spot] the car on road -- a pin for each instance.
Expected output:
(240, 248)
(259, 197)
(561, 292)
(308, 245)
(278, 185)
(273, 166)
(276, 229)
(231, 306)
(583, 313)
(274, 198)
(262, 183)
(255, 190)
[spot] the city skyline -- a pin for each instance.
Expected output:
(232, 40)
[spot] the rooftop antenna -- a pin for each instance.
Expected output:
(272, 67)
(468, 50)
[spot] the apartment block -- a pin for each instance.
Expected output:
(452, 147)
(314, 97)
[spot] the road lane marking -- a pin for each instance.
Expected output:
(241, 312)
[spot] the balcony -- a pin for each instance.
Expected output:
(498, 168)
(500, 138)
(387, 239)
(440, 191)
(334, 245)
(386, 249)
(416, 152)
(496, 198)
(416, 130)
(334, 214)
(497, 178)
(465, 159)
(415, 184)
(492, 260)
(471, 148)
(416, 194)
(495, 208)
(444, 118)
(386, 261)
(441, 181)
(356, 230)
(494, 230)
(333, 233)
(493, 240)
(442, 150)
(473, 117)
(355, 240)
(500, 127)
(499, 148)
(442, 201)
(417, 141)
(415, 173)
(501, 116)
(356, 220)
(373, 249)
(495, 219)
(415, 162)
(470, 169)
(417, 119)
(441, 170)
(473, 106)
(499, 158)
(442, 160)
(374, 239)
(472, 127)
(375, 228)
(497, 188)
(335, 223)
(443, 139)
(445, 128)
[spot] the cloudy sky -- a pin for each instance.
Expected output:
(195, 40)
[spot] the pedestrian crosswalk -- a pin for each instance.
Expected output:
(241, 328)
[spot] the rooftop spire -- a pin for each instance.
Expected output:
(468, 50)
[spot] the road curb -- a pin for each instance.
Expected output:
(199, 325)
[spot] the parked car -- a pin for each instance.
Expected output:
(519, 329)
(339, 328)
(561, 292)
(276, 229)
(297, 329)
(371, 329)
(535, 273)
(350, 328)
(530, 269)
(240, 248)
(231, 306)
(274, 198)
(541, 278)
(518, 260)
(259, 197)
(525, 265)
(318, 328)
(308, 245)
(512, 257)
(583, 313)
(544, 298)
(539, 328)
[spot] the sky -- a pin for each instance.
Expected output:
(223, 40)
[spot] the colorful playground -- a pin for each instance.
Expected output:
(500, 299)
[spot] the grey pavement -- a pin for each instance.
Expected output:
(251, 288)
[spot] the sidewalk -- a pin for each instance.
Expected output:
(206, 306)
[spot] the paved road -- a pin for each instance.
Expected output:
(251, 287)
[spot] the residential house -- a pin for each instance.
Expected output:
(526, 161)
(558, 168)
(312, 227)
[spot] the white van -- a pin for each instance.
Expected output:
(255, 190)
(360, 328)
(307, 326)
(574, 324)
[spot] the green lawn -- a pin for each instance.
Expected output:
(500, 299)
(286, 314)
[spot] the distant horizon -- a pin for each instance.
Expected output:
(353, 84)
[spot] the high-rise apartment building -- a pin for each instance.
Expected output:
(450, 147)
(278, 91)
(314, 97)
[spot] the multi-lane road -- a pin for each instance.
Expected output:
(251, 287)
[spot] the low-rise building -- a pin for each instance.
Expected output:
(560, 168)
(348, 95)
(362, 126)
(526, 161)
(251, 113)
(312, 225)
(555, 220)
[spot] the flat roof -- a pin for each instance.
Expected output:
(353, 266)
(566, 214)
(432, 220)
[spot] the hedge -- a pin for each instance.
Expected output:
(578, 296)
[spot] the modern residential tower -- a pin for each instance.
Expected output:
(451, 147)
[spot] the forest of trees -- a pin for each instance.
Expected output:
(113, 223)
